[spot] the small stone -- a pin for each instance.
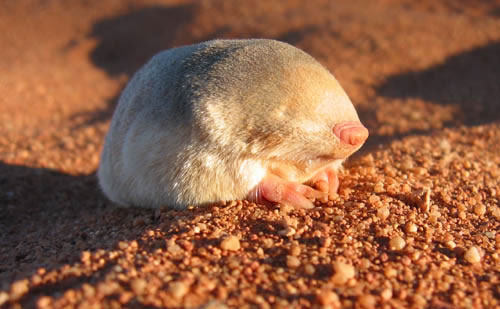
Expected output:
(44, 302)
(260, 251)
(420, 171)
(411, 227)
(292, 261)
(419, 300)
(425, 202)
(138, 286)
(407, 164)
(479, 209)
(495, 211)
(107, 287)
(383, 213)
(406, 188)
(230, 243)
(445, 145)
(88, 290)
(295, 250)
(309, 269)
(472, 255)
(18, 289)
(450, 244)
(288, 231)
(327, 298)
(367, 301)
(390, 272)
(490, 234)
(343, 272)
(179, 289)
(4, 297)
(122, 245)
(373, 198)
(268, 243)
(173, 247)
(386, 294)
(379, 187)
(397, 243)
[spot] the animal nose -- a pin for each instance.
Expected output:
(351, 132)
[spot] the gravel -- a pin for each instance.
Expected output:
(415, 223)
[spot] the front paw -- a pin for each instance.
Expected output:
(278, 190)
(326, 180)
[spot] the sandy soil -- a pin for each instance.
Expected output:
(417, 219)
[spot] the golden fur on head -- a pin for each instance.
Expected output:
(206, 122)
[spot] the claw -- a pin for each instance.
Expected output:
(277, 190)
(326, 180)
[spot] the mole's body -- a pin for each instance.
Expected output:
(228, 119)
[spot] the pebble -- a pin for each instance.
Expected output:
(374, 198)
(173, 247)
(4, 297)
(327, 298)
(479, 209)
(379, 187)
(44, 302)
(230, 243)
(397, 243)
(309, 269)
(292, 261)
(139, 286)
(288, 231)
(450, 244)
(18, 289)
(367, 301)
(122, 245)
(425, 202)
(383, 213)
(390, 272)
(295, 250)
(472, 255)
(419, 301)
(179, 289)
(386, 294)
(411, 227)
(343, 272)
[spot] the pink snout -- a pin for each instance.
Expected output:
(351, 132)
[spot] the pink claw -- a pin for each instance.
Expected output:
(277, 190)
(326, 180)
(351, 132)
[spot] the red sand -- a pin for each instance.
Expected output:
(417, 219)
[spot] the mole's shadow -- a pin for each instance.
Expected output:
(128, 41)
(48, 218)
(469, 79)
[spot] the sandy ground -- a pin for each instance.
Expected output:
(417, 218)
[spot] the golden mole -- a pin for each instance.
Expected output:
(229, 119)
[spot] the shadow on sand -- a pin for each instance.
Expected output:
(42, 213)
(469, 79)
(127, 41)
